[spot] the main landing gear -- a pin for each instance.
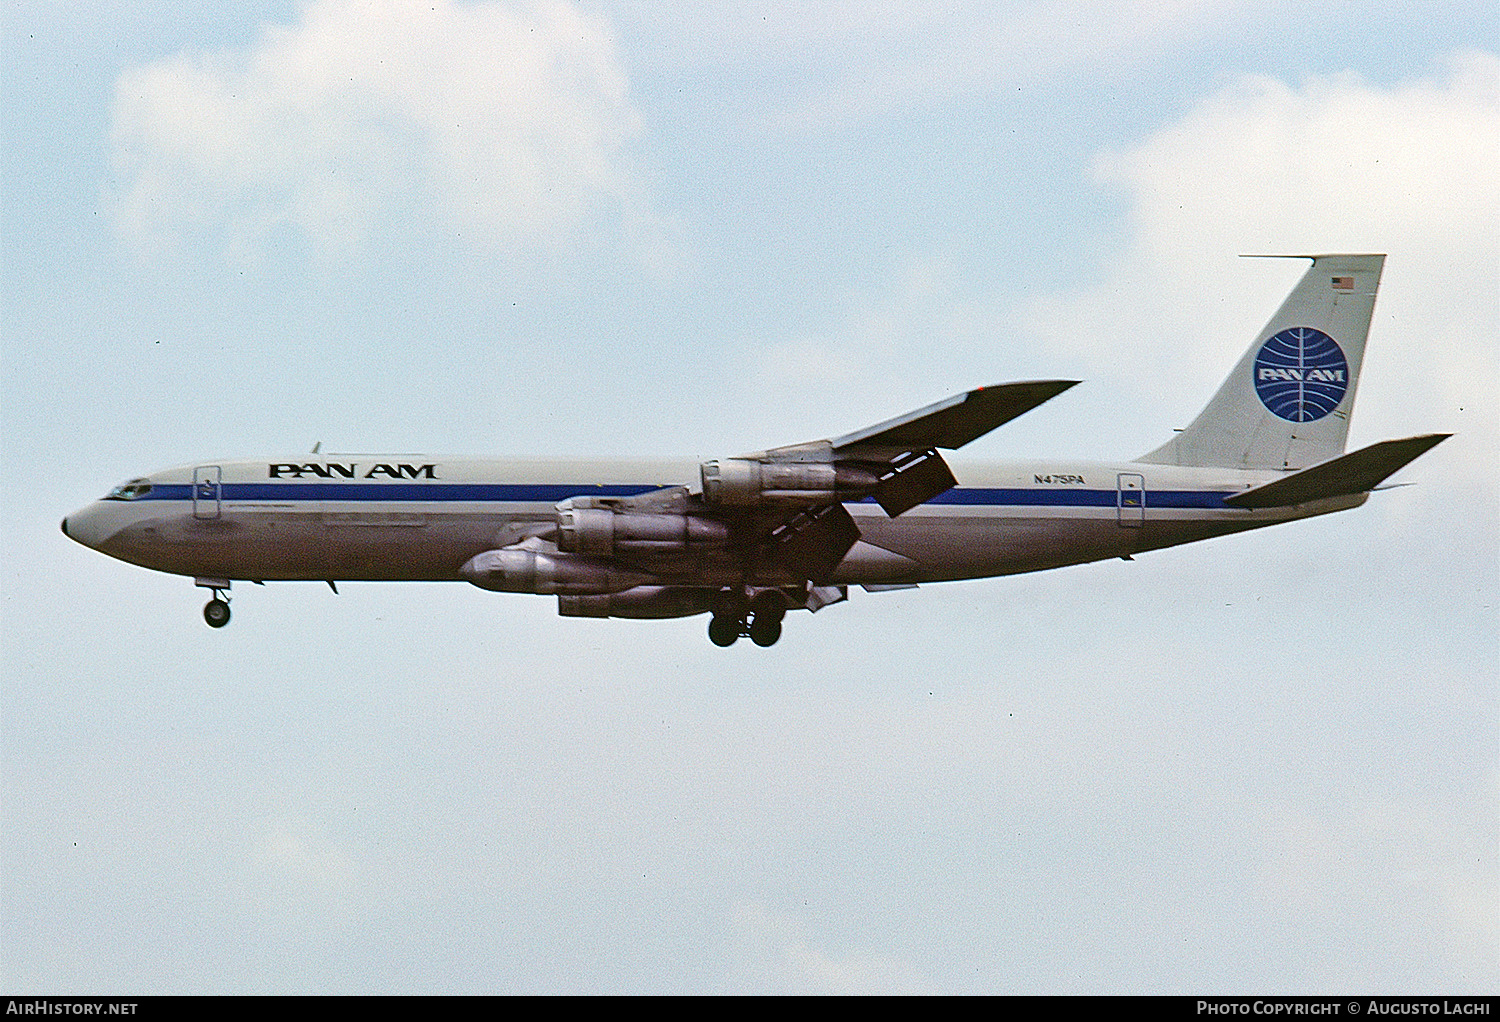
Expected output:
(758, 617)
(215, 611)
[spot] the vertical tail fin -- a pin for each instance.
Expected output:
(1286, 405)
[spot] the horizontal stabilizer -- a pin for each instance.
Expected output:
(1343, 476)
(952, 422)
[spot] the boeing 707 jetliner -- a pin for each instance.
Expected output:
(789, 528)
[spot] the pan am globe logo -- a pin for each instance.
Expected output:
(1301, 374)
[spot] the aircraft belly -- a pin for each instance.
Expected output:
(1015, 540)
(384, 545)
(975, 546)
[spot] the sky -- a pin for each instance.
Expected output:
(1265, 763)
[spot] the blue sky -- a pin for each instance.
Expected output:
(1266, 763)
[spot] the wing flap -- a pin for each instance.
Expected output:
(815, 541)
(915, 482)
(1358, 472)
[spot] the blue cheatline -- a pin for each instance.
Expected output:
(551, 493)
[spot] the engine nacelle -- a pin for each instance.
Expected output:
(528, 571)
(604, 533)
(640, 602)
(742, 481)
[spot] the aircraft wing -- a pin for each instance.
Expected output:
(907, 446)
(953, 422)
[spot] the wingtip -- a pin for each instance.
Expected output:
(1312, 255)
(1430, 440)
(1060, 385)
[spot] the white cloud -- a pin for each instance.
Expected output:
(1334, 164)
(785, 958)
(503, 124)
(296, 871)
(924, 49)
(877, 350)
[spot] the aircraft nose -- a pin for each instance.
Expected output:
(91, 526)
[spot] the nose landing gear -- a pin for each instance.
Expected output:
(215, 611)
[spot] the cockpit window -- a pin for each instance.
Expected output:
(131, 490)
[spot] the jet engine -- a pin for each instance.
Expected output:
(605, 533)
(640, 602)
(514, 570)
(743, 481)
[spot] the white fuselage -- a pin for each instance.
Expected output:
(418, 518)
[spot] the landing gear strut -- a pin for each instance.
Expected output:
(769, 607)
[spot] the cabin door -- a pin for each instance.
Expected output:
(1130, 499)
(208, 491)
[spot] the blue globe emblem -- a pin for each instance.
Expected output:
(1301, 374)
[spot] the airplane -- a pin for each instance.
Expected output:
(789, 528)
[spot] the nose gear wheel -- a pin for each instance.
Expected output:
(216, 613)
